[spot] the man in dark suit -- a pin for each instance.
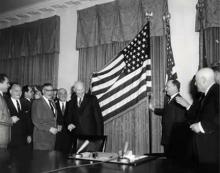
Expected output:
(5, 118)
(206, 118)
(84, 113)
(174, 125)
(44, 115)
(19, 133)
(26, 100)
(63, 137)
(216, 69)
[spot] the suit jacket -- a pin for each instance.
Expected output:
(19, 129)
(4, 113)
(5, 119)
(63, 137)
(87, 118)
(207, 112)
(173, 115)
(27, 111)
(61, 119)
(43, 119)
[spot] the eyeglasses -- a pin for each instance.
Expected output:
(48, 90)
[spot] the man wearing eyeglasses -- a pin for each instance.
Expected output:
(44, 115)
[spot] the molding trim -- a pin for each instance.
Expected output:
(42, 10)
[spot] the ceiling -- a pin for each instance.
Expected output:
(14, 12)
(8, 5)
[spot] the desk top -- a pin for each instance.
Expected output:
(25, 161)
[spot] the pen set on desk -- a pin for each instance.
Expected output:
(84, 145)
(124, 156)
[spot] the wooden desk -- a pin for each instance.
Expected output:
(25, 161)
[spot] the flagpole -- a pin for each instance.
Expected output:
(150, 125)
(166, 18)
(149, 15)
(200, 9)
(165, 49)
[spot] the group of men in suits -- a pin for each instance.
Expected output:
(184, 125)
(56, 124)
(14, 112)
(191, 131)
(45, 123)
(18, 112)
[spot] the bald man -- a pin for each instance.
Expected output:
(63, 137)
(174, 124)
(206, 118)
(19, 129)
(216, 69)
(84, 113)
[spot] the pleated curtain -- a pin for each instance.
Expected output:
(102, 32)
(208, 25)
(29, 52)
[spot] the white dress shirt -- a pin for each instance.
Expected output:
(62, 103)
(15, 103)
(49, 103)
(171, 97)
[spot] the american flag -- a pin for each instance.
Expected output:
(170, 70)
(127, 78)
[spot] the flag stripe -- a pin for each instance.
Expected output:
(107, 83)
(125, 82)
(123, 79)
(120, 96)
(107, 77)
(124, 105)
(118, 60)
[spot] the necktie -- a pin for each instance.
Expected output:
(79, 102)
(18, 106)
(168, 100)
(51, 107)
(201, 100)
(63, 109)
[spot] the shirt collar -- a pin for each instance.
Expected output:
(13, 99)
(80, 98)
(62, 102)
(46, 100)
(28, 99)
(1, 93)
(174, 95)
(207, 90)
